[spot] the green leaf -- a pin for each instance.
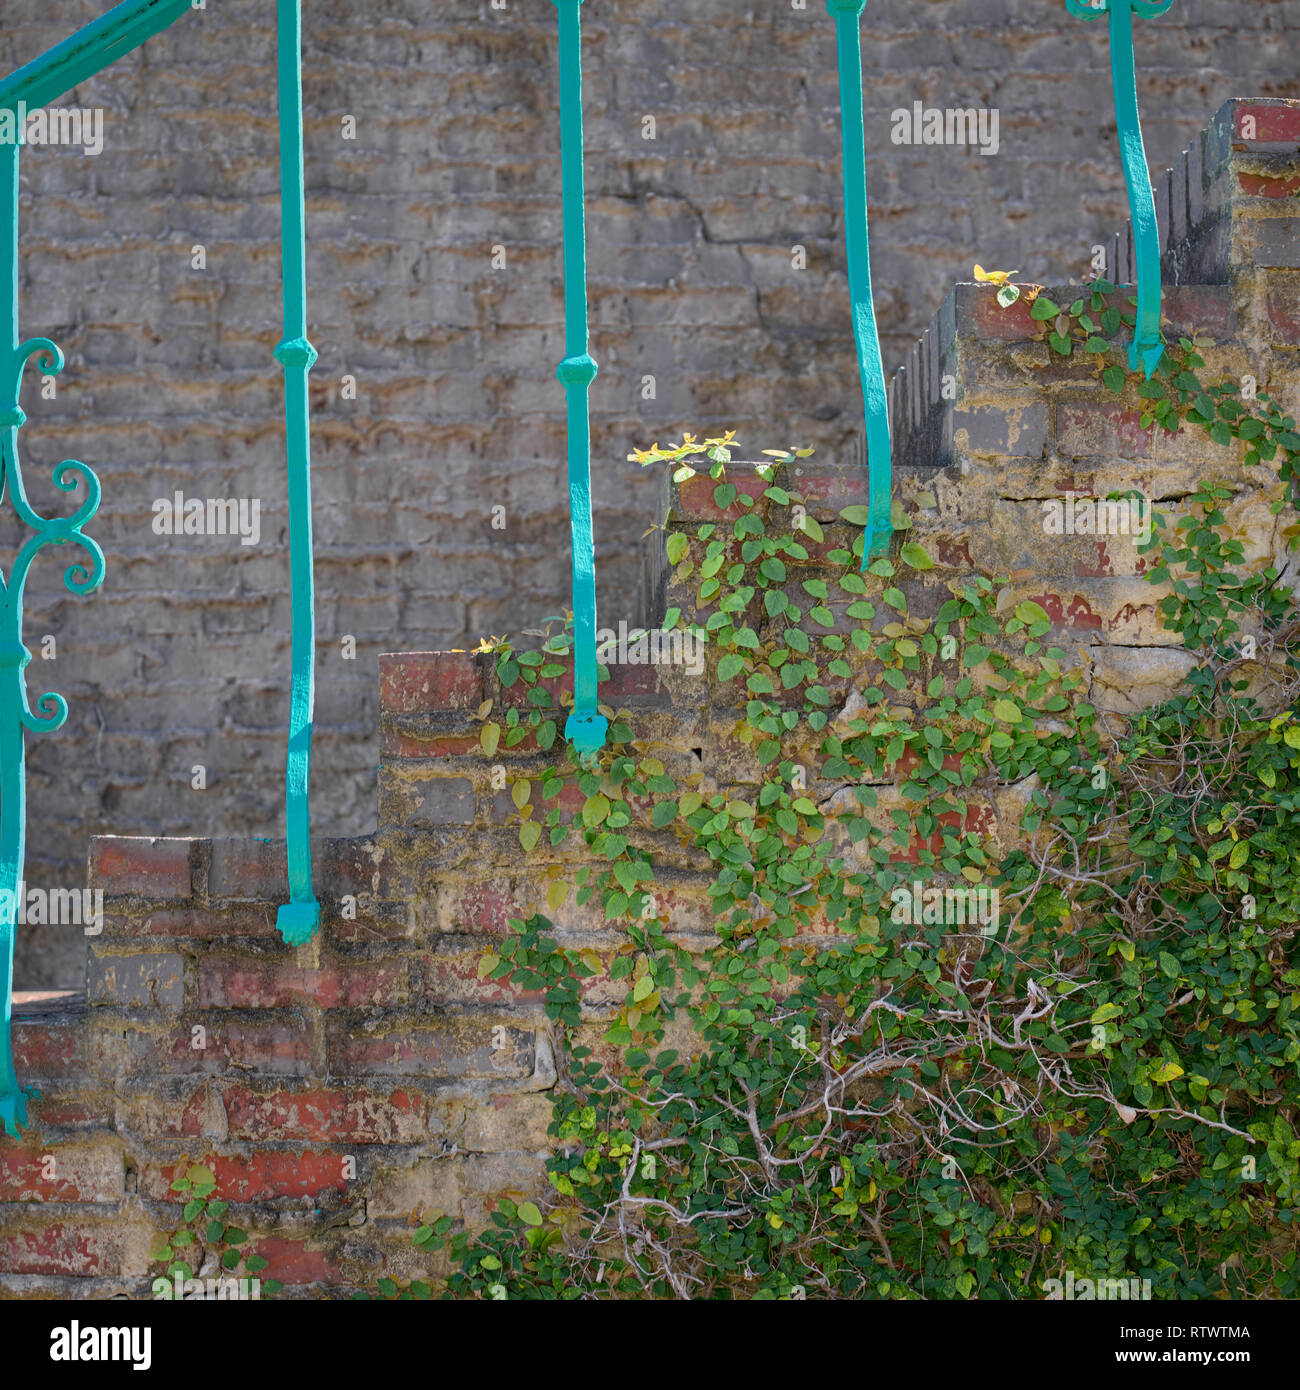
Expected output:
(529, 1214)
(1007, 711)
(916, 556)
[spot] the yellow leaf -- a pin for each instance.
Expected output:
(529, 834)
(556, 894)
(489, 737)
(590, 959)
(487, 965)
(1240, 853)
(1166, 1072)
(482, 711)
(520, 792)
(645, 987)
(1126, 949)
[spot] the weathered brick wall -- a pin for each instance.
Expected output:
(371, 1075)
(183, 657)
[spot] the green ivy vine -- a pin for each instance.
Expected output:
(830, 1099)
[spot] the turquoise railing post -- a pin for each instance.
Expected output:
(298, 918)
(1148, 345)
(80, 578)
(848, 40)
(586, 726)
(80, 56)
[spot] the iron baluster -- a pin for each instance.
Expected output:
(1148, 344)
(586, 726)
(298, 918)
(879, 529)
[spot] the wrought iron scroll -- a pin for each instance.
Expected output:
(1148, 346)
(879, 529)
(298, 918)
(586, 726)
(81, 577)
(81, 55)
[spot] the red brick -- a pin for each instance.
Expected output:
(1263, 186)
(692, 500)
(292, 1262)
(248, 868)
(82, 1109)
(353, 1114)
(270, 1045)
(414, 682)
(826, 491)
(991, 321)
(243, 984)
(67, 1247)
(394, 744)
(49, 1050)
(1199, 310)
(1274, 125)
(484, 906)
(142, 867)
(560, 689)
(262, 1176)
(80, 1173)
(640, 683)
(1103, 430)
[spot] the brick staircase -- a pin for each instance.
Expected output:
(340, 1088)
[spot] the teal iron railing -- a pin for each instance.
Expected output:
(879, 530)
(47, 78)
(299, 917)
(1148, 345)
(56, 72)
(586, 726)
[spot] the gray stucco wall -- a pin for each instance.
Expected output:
(182, 659)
